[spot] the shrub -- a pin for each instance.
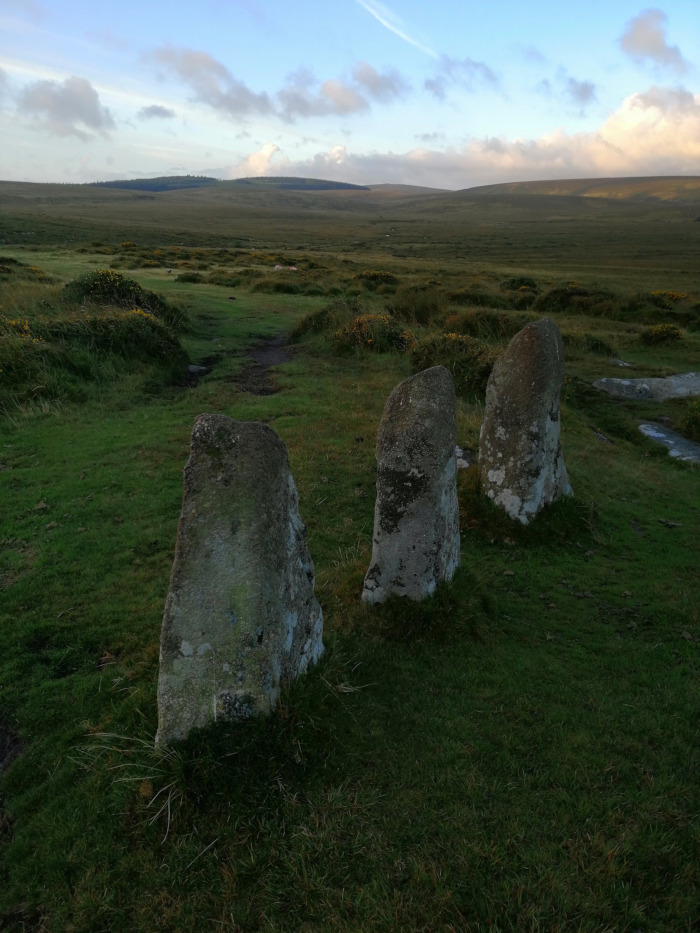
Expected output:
(480, 299)
(106, 285)
(520, 283)
(275, 285)
(588, 343)
(329, 317)
(489, 325)
(378, 332)
(418, 304)
(372, 278)
(469, 360)
(660, 333)
(109, 287)
(223, 278)
(576, 299)
(193, 278)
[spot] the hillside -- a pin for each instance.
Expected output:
(682, 189)
(264, 182)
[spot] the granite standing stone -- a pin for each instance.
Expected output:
(416, 516)
(521, 466)
(241, 617)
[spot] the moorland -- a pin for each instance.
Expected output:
(519, 752)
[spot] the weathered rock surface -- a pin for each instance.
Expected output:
(241, 617)
(520, 460)
(655, 389)
(416, 516)
(679, 447)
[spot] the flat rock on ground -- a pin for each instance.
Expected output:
(653, 389)
(679, 447)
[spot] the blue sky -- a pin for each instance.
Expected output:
(450, 94)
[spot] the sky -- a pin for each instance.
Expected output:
(445, 94)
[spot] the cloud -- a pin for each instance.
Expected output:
(26, 8)
(644, 40)
(652, 133)
(70, 108)
(302, 95)
(299, 98)
(580, 93)
(532, 54)
(156, 112)
(464, 72)
(211, 82)
(257, 163)
(4, 83)
(341, 98)
(393, 23)
(382, 87)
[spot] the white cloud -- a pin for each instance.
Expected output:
(70, 108)
(257, 163)
(393, 23)
(302, 96)
(644, 39)
(652, 133)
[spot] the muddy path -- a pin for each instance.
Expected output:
(257, 376)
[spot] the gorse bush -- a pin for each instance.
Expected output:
(469, 360)
(378, 332)
(660, 333)
(575, 298)
(105, 286)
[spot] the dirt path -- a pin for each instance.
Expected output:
(256, 377)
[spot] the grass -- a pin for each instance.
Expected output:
(518, 753)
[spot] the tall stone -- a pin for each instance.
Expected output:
(521, 466)
(416, 516)
(241, 617)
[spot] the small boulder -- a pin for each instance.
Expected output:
(241, 617)
(416, 516)
(521, 466)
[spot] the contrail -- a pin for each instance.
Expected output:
(391, 22)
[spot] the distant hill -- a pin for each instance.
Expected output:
(291, 183)
(681, 188)
(162, 183)
(181, 182)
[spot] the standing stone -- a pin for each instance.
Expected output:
(521, 466)
(241, 617)
(416, 516)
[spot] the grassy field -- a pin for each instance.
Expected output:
(519, 753)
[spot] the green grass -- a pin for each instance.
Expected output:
(518, 753)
